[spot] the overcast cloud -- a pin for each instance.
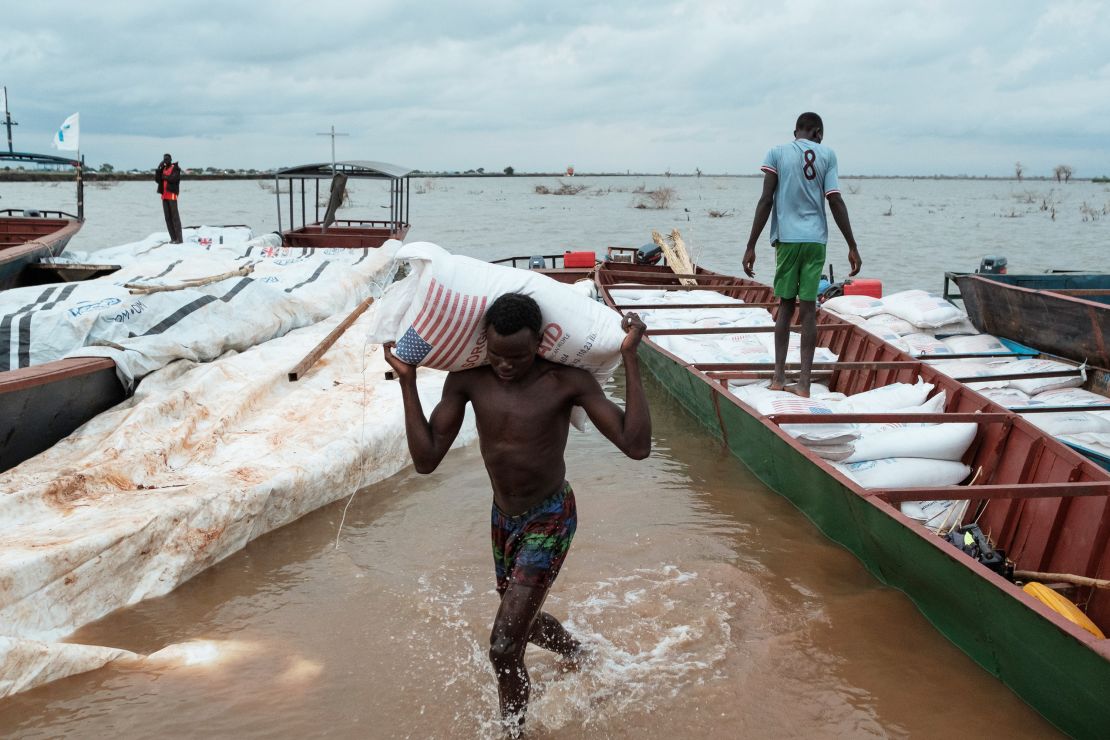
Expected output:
(904, 88)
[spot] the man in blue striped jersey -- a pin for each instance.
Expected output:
(797, 179)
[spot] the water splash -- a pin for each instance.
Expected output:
(651, 634)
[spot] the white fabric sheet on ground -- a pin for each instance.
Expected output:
(200, 461)
(288, 289)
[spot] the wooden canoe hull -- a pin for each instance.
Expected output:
(345, 235)
(1074, 325)
(42, 405)
(1060, 670)
(27, 240)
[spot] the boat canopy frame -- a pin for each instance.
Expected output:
(399, 191)
(49, 159)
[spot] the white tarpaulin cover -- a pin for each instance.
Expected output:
(202, 459)
(285, 289)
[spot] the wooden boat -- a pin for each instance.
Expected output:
(1067, 314)
(325, 230)
(27, 235)
(43, 404)
(1046, 505)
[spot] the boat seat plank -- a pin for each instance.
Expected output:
(717, 369)
(739, 330)
(993, 491)
(669, 286)
(1017, 376)
(1058, 409)
(654, 306)
(875, 417)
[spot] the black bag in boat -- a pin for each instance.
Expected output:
(971, 540)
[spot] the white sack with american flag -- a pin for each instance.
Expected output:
(435, 315)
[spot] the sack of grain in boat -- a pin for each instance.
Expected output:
(975, 344)
(924, 344)
(436, 314)
(704, 349)
(973, 369)
(890, 322)
(1033, 386)
(960, 328)
(1011, 398)
(936, 515)
(929, 441)
(1070, 397)
(887, 335)
(794, 348)
(839, 441)
(888, 398)
(854, 305)
(923, 310)
(1070, 422)
(905, 472)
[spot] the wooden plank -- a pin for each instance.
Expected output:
(972, 355)
(1080, 291)
(1055, 409)
(734, 304)
(671, 286)
(310, 359)
(75, 266)
(992, 492)
(736, 330)
(718, 370)
(1017, 376)
(29, 377)
(875, 417)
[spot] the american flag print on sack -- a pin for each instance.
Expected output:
(438, 336)
(799, 406)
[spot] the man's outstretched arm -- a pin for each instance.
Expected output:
(840, 215)
(759, 221)
(630, 429)
(429, 440)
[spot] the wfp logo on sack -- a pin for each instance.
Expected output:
(85, 306)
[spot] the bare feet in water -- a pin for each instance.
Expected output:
(576, 661)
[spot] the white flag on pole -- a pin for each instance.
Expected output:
(68, 136)
(4, 99)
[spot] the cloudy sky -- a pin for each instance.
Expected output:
(961, 87)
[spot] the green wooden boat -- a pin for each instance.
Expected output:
(1046, 505)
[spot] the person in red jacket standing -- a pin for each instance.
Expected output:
(168, 176)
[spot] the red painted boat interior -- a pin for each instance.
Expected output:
(17, 231)
(1046, 505)
(345, 234)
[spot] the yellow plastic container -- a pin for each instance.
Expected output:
(1062, 606)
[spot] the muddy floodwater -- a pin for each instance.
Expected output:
(715, 609)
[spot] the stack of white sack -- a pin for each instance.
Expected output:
(436, 315)
(200, 461)
(755, 347)
(1074, 375)
(901, 454)
(278, 289)
(922, 321)
(1077, 427)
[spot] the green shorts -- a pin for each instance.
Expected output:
(798, 269)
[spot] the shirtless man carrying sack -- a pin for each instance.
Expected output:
(522, 405)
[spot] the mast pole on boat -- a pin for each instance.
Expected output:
(332, 134)
(8, 122)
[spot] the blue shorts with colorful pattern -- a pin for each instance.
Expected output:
(530, 548)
